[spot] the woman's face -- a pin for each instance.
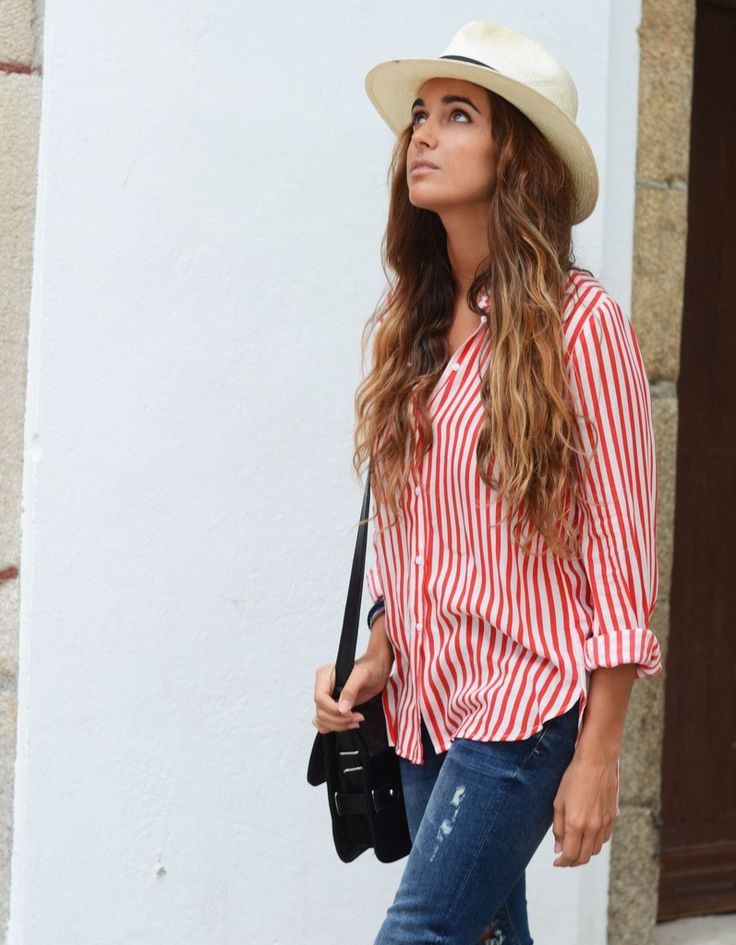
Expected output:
(452, 129)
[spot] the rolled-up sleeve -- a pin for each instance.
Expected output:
(617, 521)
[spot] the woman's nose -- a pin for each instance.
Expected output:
(424, 133)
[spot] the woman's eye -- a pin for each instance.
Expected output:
(458, 111)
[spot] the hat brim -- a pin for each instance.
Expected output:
(393, 85)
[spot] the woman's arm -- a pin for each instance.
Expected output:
(617, 527)
(618, 500)
(586, 803)
(603, 722)
(379, 646)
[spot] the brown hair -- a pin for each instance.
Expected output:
(529, 430)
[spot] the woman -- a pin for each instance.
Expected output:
(507, 419)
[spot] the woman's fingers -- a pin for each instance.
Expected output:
(558, 823)
(598, 841)
(328, 718)
(580, 844)
(571, 846)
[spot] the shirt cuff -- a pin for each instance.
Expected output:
(638, 645)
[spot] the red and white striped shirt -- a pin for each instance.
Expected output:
(488, 642)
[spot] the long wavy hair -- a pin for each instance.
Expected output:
(529, 431)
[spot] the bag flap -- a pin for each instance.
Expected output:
(316, 767)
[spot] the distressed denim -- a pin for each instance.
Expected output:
(477, 813)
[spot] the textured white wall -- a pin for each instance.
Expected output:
(212, 198)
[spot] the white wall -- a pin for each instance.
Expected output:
(212, 198)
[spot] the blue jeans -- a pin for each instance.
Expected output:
(477, 813)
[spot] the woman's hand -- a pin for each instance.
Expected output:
(369, 677)
(585, 808)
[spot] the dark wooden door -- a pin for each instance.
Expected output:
(698, 838)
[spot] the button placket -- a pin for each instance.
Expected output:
(418, 558)
(418, 578)
(455, 363)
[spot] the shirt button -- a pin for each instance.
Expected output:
(419, 559)
(483, 318)
(417, 490)
(418, 627)
(456, 366)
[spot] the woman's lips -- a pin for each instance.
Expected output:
(423, 167)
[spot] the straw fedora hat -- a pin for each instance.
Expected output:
(516, 68)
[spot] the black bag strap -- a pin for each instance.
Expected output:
(351, 620)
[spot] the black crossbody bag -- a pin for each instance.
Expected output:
(359, 766)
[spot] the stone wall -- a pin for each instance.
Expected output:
(666, 36)
(20, 98)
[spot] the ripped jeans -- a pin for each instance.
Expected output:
(477, 813)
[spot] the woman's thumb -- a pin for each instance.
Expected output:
(349, 693)
(347, 697)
